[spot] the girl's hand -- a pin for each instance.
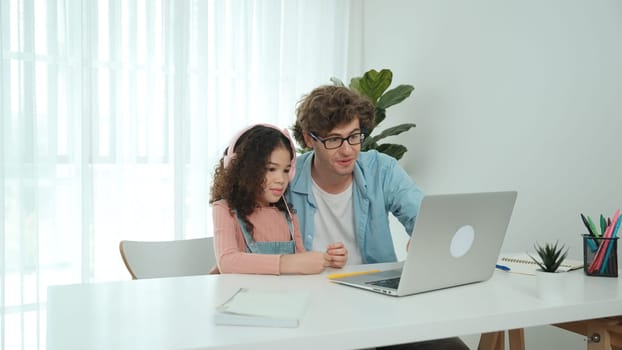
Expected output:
(338, 254)
(304, 263)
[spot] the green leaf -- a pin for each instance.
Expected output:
(394, 150)
(373, 83)
(381, 114)
(392, 131)
(542, 267)
(355, 84)
(369, 143)
(395, 96)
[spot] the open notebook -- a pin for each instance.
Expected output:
(523, 264)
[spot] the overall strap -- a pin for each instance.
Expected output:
(273, 247)
(247, 237)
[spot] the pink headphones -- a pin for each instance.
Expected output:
(231, 154)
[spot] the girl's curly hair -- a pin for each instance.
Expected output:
(241, 182)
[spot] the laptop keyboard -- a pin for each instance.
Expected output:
(388, 283)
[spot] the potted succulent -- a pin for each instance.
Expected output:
(551, 256)
(374, 85)
(550, 284)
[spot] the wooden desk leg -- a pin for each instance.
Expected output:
(615, 336)
(602, 333)
(492, 341)
(597, 337)
(517, 339)
(613, 328)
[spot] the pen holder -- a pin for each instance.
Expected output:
(600, 256)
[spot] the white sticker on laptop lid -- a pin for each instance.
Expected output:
(462, 241)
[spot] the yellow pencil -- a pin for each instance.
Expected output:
(332, 276)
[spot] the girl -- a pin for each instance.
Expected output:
(254, 228)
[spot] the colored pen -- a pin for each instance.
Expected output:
(614, 233)
(502, 267)
(602, 248)
(590, 242)
(603, 224)
(592, 227)
(587, 226)
(333, 276)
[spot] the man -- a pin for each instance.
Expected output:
(341, 194)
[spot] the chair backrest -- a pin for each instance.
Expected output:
(153, 259)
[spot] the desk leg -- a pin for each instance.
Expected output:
(614, 332)
(603, 342)
(492, 341)
(608, 332)
(616, 338)
(517, 339)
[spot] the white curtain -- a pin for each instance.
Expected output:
(114, 113)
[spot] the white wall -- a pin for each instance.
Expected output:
(523, 95)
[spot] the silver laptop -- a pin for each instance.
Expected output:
(456, 240)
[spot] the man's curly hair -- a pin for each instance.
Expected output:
(241, 183)
(327, 107)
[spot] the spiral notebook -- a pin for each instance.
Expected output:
(523, 264)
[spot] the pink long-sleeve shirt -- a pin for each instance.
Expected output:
(230, 248)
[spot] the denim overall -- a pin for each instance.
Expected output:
(286, 247)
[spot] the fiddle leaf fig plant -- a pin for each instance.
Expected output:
(374, 85)
(551, 256)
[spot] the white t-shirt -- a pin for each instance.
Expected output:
(334, 222)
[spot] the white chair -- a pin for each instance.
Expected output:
(154, 259)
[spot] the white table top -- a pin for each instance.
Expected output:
(177, 313)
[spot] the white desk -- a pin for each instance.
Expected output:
(176, 313)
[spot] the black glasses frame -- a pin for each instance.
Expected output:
(359, 137)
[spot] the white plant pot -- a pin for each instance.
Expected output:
(551, 286)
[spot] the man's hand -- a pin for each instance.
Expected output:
(338, 253)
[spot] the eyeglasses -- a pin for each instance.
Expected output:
(334, 142)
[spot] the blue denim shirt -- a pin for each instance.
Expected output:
(380, 186)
